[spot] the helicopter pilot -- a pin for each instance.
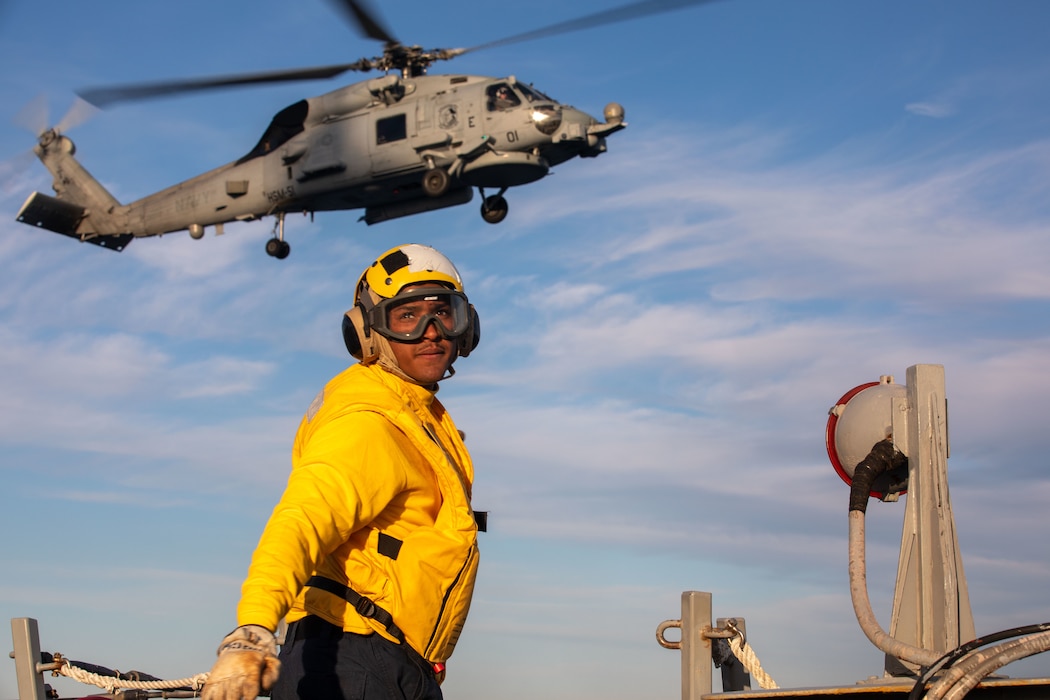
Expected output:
(501, 98)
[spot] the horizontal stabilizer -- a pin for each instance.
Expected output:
(64, 217)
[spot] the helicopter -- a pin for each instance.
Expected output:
(396, 145)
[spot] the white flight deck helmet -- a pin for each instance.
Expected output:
(365, 329)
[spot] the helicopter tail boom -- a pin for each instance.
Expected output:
(83, 208)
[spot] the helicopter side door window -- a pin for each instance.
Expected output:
(390, 129)
(501, 97)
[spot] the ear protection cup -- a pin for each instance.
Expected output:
(469, 340)
(355, 334)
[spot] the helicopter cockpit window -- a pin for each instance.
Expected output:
(393, 128)
(501, 97)
(532, 94)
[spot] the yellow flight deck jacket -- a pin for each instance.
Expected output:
(378, 499)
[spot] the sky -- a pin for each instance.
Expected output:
(810, 194)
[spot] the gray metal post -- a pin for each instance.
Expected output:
(26, 639)
(931, 604)
(696, 647)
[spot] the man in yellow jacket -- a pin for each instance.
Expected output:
(371, 553)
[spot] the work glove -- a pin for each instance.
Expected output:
(247, 665)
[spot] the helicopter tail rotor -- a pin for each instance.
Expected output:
(34, 116)
(79, 112)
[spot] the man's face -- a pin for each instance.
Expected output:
(427, 359)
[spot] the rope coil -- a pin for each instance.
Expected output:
(111, 684)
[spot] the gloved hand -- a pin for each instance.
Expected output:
(247, 665)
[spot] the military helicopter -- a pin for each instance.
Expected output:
(395, 145)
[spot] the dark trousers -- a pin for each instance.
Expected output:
(321, 662)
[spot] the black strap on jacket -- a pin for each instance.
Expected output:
(364, 606)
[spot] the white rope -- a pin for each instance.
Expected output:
(111, 684)
(747, 657)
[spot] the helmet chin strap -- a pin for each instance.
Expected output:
(384, 356)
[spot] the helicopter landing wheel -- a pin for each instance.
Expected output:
(277, 248)
(494, 209)
(435, 182)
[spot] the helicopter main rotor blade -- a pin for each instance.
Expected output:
(362, 14)
(634, 10)
(395, 56)
(104, 96)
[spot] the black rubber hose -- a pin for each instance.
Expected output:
(955, 654)
(884, 457)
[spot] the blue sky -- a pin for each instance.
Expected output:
(810, 194)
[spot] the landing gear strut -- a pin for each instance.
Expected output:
(277, 247)
(494, 207)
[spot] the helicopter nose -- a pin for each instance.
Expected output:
(574, 125)
(584, 133)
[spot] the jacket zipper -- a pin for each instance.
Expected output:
(448, 594)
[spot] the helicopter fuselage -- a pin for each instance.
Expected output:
(392, 146)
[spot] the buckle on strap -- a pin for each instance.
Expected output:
(362, 605)
(365, 607)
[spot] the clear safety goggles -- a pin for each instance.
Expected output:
(405, 317)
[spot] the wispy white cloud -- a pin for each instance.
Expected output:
(936, 110)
